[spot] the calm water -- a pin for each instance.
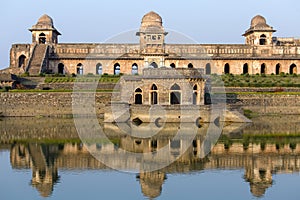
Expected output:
(43, 158)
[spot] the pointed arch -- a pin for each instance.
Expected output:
(175, 87)
(138, 96)
(117, 69)
(175, 94)
(42, 38)
(134, 69)
(278, 69)
(263, 39)
(153, 65)
(195, 94)
(21, 62)
(173, 65)
(293, 69)
(245, 68)
(99, 69)
(208, 69)
(227, 68)
(61, 68)
(79, 69)
(263, 68)
(153, 95)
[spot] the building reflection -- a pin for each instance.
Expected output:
(260, 161)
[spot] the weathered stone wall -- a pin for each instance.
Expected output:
(46, 104)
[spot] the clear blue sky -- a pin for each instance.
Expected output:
(206, 21)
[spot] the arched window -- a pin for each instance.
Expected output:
(190, 65)
(138, 96)
(117, 69)
(80, 69)
(245, 68)
(61, 68)
(293, 69)
(153, 95)
(42, 38)
(134, 69)
(195, 95)
(22, 59)
(278, 69)
(99, 69)
(226, 68)
(263, 69)
(263, 39)
(173, 65)
(153, 65)
(207, 69)
(175, 95)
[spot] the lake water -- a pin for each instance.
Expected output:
(43, 158)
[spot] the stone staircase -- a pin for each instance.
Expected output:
(37, 59)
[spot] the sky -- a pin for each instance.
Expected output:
(95, 21)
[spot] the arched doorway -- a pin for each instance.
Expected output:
(278, 69)
(99, 69)
(190, 65)
(195, 94)
(226, 69)
(175, 95)
(207, 69)
(80, 69)
(245, 68)
(61, 68)
(138, 96)
(134, 69)
(263, 68)
(153, 65)
(22, 59)
(153, 95)
(42, 38)
(173, 65)
(117, 69)
(293, 69)
(263, 39)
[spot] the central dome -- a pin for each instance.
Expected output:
(45, 20)
(258, 20)
(152, 19)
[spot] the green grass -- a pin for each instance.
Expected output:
(262, 80)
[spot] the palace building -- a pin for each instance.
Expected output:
(261, 53)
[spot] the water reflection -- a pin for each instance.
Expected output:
(46, 155)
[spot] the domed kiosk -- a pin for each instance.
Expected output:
(44, 31)
(259, 33)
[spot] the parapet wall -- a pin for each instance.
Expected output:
(13, 104)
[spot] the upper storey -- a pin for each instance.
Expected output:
(44, 32)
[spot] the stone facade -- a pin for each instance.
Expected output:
(261, 53)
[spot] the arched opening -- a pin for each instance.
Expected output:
(245, 68)
(278, 69)
(134, 69)
(22, 59)
(117, 69)
(42, 38)
(153, 65)
(153, 95)
(61, 68)
(226, 68)
(263, 39)
(263, 69)
(173, 65)
(195, 94)
(293, 69)
(99, 69)
(138, 96)
(190, 65)
(80, 69)
(175, 95)
(207, 69)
